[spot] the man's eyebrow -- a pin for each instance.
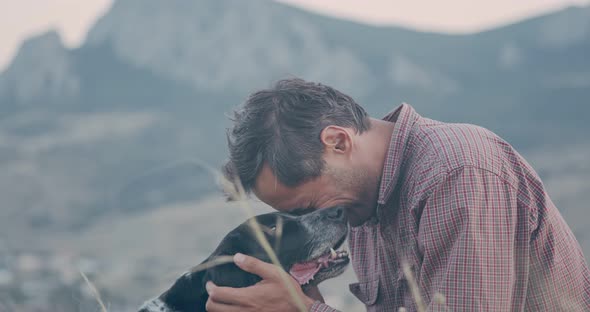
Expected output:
(301, 211)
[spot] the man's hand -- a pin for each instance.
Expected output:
(270, 294)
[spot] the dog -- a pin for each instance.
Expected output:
(305, 245)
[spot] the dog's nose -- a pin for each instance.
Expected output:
(335, 214)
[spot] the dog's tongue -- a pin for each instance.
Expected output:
(304, 272)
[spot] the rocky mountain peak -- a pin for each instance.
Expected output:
(214, 45)
(42, 67)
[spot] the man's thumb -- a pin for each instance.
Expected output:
(266, 271)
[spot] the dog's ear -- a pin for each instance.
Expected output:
(187, 293)
(230, 275)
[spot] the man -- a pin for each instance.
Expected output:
(455, 202)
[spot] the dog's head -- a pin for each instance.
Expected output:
(305, 245)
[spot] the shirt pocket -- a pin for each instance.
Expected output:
(366, 292)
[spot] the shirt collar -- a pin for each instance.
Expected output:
(404, 117)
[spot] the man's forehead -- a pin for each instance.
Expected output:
(267, 185)
(284, 202)
(271, 191)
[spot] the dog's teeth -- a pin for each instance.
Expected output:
(342, 253)
(333, 253)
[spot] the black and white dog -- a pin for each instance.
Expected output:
(306, 249)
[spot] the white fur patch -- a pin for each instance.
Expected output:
(155, 305)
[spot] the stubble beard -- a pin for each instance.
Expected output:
(363, 185)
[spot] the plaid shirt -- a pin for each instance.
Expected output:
(473, 222)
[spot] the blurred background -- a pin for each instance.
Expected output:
(110, 110)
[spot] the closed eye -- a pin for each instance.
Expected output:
(301, 211)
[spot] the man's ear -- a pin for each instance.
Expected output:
(337, 140)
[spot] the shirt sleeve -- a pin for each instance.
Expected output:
(474, 243)
(321, 307)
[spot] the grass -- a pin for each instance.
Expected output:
(236, 192)
(414, 289)
(94, 291)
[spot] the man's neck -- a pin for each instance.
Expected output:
(378, 139)
(374, 145)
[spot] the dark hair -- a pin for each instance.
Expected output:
(281, 126)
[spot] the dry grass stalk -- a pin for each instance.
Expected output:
(237, 191)
(440, 299)
(94, 291)
(278, 233)
(414, 289)
(211, 263)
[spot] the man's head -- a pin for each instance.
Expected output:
(298, 144)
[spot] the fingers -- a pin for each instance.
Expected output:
(266, 271)
(213, 306)
(227, 295)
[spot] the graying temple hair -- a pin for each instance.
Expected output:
(281, 126)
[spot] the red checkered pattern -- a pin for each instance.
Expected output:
(472, 221)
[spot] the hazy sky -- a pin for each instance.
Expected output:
(22, 18)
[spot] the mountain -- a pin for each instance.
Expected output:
(153, 82)
(507, 71)
(133, 119)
